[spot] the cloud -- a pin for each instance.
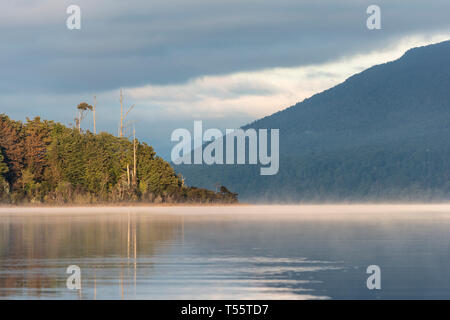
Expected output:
(224, 62)
(139, 42)
(221, 101)
(260, 93)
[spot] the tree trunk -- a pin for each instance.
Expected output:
(128, 174)
(121, 115)
(134, 158)
(93, 112)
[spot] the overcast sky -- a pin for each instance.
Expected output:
(224, 62)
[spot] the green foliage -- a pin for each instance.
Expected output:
(12, 148)
(83, 106)
(54, 164)
(3, 166)
(4, 187)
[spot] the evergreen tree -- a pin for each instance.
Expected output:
(11, 144)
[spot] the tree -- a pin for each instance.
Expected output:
(82, 108)
(3, 166)
(36, 141)
(122, 115)
(4, 186)
(11, 145)
(93, 114)
(134, 157)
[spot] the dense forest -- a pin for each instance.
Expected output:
(46, 162)
(395, 173)
(382, 135)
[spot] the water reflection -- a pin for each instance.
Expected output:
(36, 250)
(128, 254)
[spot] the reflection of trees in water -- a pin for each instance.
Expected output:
(36, 250)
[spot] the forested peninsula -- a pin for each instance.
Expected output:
(45, 162)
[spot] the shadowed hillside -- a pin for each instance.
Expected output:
(383, 134)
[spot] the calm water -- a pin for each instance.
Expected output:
(246, 252)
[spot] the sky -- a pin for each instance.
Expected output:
(224, 62)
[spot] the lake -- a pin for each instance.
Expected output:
(226, 252)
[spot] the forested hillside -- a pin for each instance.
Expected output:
(47, 162)
(382, 135)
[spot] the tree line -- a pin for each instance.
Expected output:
(44, 161)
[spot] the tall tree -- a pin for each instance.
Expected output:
(82, 108)
(123, 115)
(134, 157)
(4, 186)
(93, 114)
(37, 139)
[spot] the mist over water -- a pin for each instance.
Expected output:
(226, 252)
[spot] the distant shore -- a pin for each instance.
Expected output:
(120, 205)
(239, 204)
(336, 212)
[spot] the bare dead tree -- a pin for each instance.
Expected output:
(134, 157)
(122, 115)
(93, 113)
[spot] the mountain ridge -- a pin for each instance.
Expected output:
(378, 126)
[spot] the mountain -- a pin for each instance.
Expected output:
(382, 135)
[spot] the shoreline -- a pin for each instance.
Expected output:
(119, 205)
(238, 204)
(302, 211)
